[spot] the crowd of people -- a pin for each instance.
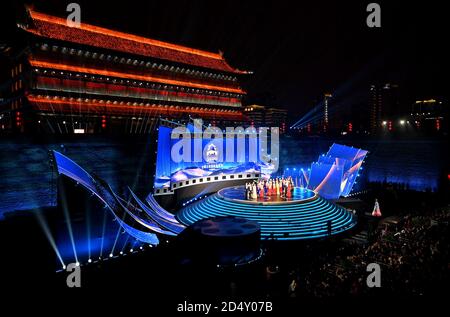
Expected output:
(412, 253)
(413, 256)
(280, 186)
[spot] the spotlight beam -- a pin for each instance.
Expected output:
(103, 234)
(49, 236)
(68, 221)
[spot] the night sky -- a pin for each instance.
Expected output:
(297, 49)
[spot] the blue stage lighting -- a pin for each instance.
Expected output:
(307, 220)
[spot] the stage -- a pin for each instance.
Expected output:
(303, 216)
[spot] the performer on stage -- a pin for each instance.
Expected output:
(262, 188)
(376, 209)
(247, 191)
(254, 192)
(289, 189)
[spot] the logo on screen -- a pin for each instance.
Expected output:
(212, 155)
(234, 145)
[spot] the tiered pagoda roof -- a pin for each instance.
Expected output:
(56, 28)
(64, 67)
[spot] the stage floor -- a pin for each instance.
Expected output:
(306, 216)
(237, 194)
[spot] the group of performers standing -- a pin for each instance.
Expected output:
(280, 186)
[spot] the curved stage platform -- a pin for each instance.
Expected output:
(304, 216)
(237, 194)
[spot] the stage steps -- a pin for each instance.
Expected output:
(303, 220)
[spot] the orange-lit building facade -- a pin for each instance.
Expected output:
(90, 79)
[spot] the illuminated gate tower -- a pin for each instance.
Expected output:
(91, 79)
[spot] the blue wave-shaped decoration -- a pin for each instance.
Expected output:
(103, 191)
(165, 221)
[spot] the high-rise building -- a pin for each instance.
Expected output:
(256, 114)
(276, 117)
(260, 116)
(384, 105)
(89, 79)
(430, 115)
(326, 99)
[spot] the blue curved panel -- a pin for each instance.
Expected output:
(159, 210)
(143, 222)
(103, 191)
(173, 226)
(334, 174)
(143, 236)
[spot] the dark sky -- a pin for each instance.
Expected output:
(297, 49)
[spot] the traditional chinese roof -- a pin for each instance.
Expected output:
(56, 28)
(102, 72)
(69, 105)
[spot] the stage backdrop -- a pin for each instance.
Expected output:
(218, 156)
